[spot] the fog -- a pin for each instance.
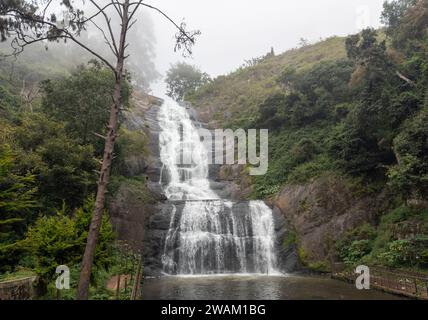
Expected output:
(59, 55)
(233, 31)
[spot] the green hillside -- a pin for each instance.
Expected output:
(234, 98)
(354, 108)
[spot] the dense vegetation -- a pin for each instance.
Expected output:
(48, 162)
(354, 107)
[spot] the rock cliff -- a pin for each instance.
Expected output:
(321, 211)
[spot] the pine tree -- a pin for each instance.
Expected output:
(16, 203)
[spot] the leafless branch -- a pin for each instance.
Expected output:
(184, 39)
(46, 8)
(98, 12)
(403, 77)
(137, 5)
(57, 34)
(106, 40)
(132, 24)
(179, 27)
(108, 64)
(117, 7)
(108, 22)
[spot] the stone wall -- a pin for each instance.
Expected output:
(21, 289)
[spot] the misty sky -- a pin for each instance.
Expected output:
(236, 30)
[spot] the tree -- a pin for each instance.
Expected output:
(60, 240)
(16, 204)
(303, 42)
(406, 25)
(32, 21)
(405, 21)
(393, 13)
(183, 78)
(362, 143)
(79, 101)
(9, 103)
(357, 148)
(369, 56)
(63, 168)
(410, 175)
(270, 115)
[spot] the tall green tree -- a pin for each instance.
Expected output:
(183, 78)
(363, 142)
(410, 176)
(406, 23)
(80, 102)
(63, 168)
(393, 13)
(17, 203)
(31, 21)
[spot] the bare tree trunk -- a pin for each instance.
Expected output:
(136, 287)
(118, 287)
(94, 229)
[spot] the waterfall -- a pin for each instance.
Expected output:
(179, 135)
(207, 235)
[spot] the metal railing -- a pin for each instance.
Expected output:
(410, 284)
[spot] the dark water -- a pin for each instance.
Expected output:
(256, 288)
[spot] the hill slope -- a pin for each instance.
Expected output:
(348, 148)
(233, 100)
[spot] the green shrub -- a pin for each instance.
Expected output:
(312, 169)
(304, 150)
(319, 266)
(61, 240)
(355, 244)
(356, 251)
(406, 253)
(397, 253)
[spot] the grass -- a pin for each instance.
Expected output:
(285, 167)
(135, 185)
(18, 274)
(233, 99)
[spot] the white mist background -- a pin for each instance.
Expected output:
(236, 30)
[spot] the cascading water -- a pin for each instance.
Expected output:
(207, 235)
(178, 135)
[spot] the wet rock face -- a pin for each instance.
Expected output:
(230, 182)
(156, 243)
(157, 226)
(145, 225)
(320, 212)
(143, 119)
(129, 212)
(153, 163)
(288, 259)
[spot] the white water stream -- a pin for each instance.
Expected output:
(207, 235)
